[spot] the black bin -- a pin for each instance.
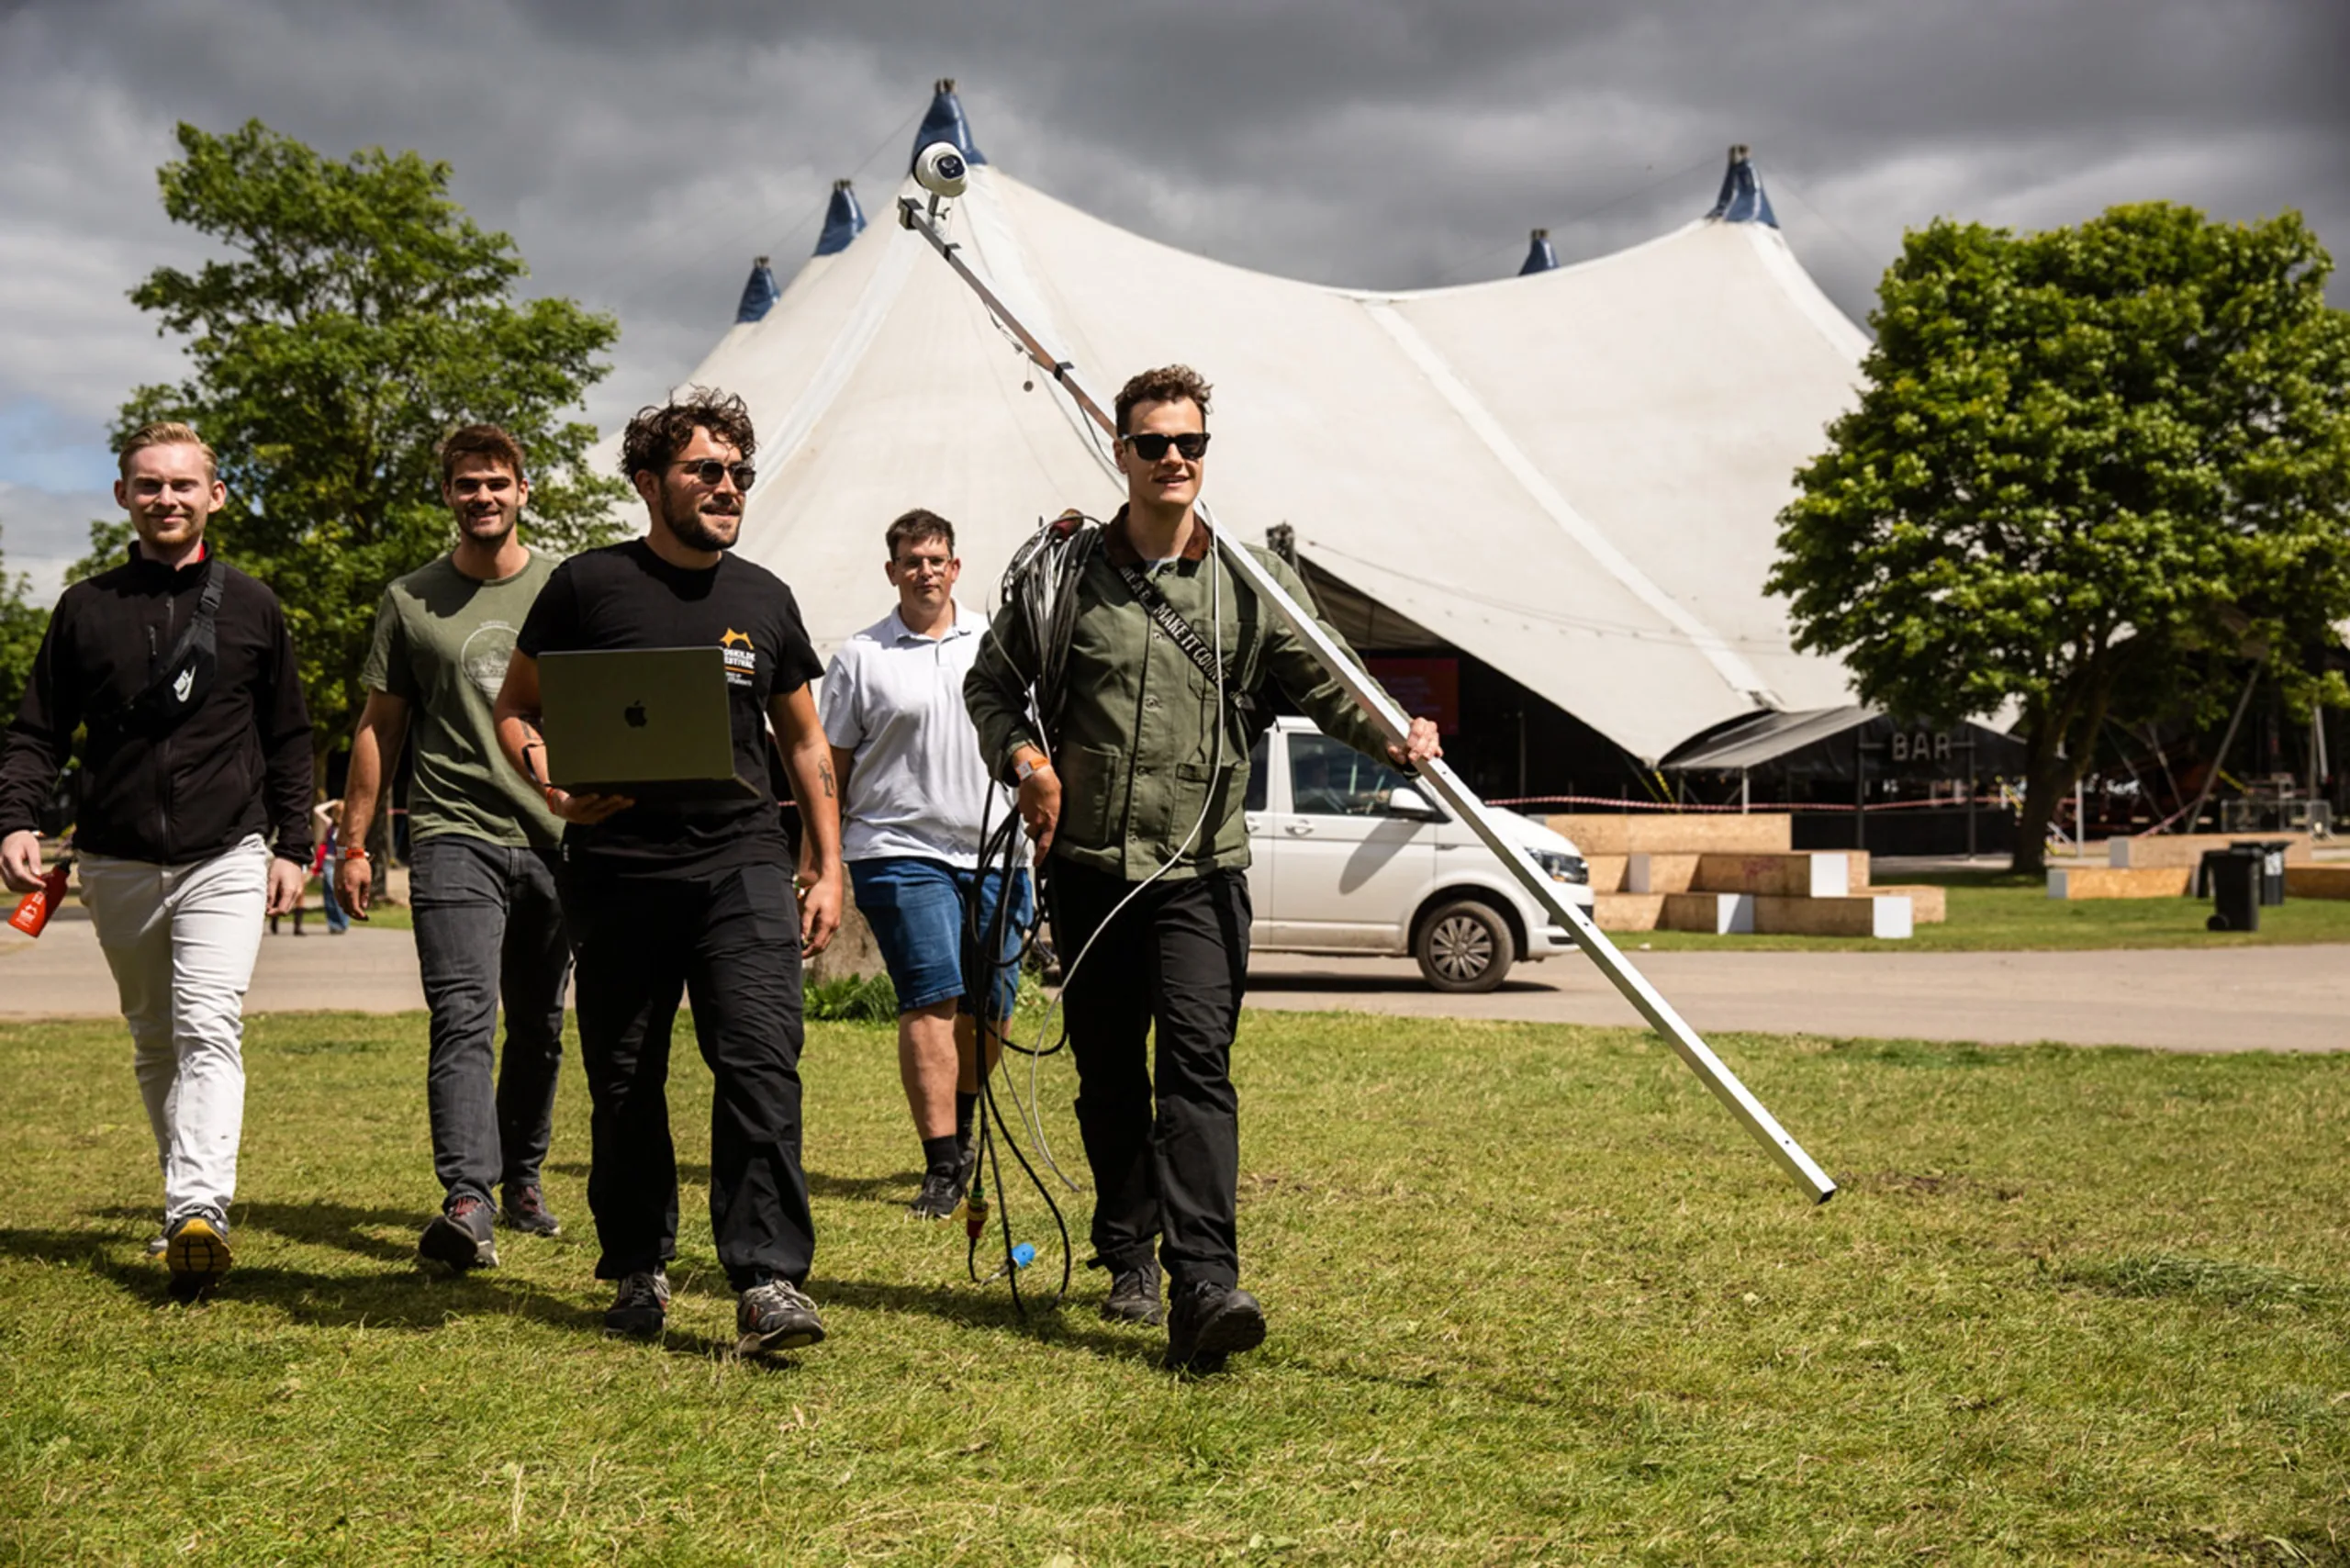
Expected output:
(2272, 865)
(2233, 876)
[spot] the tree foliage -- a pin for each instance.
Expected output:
(2093, 471)
(22, 622)
(359, 316)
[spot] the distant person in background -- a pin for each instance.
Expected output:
(912, 792)
(481, 858)
(325, 825)
(199, 746)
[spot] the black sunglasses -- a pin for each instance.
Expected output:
(1150, 446)
(710, 471)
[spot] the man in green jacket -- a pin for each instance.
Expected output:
(1135, 807)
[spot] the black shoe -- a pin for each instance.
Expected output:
(941, 1191)
(777, 1315)
(527, 1211)
(639, 1306)
(196, 1250)
(1209, 1322)
(462, 1237)
(1133, 1295)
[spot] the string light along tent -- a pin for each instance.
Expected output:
(1572, 475)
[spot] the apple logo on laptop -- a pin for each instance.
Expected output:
(634, 714)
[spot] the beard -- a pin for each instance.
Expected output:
(682, 513)
(492, 530)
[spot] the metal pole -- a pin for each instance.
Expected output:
(1392, 721)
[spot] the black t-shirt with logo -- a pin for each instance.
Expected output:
(626, 596)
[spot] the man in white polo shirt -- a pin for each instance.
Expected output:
(912, 793)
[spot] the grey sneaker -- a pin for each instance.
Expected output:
(776, 1317)
(158, 1243)
(463, 1235)
(639, 1306)
(1133, 1295)
(196, 1250)
(1209, 1322)
(527, 1211)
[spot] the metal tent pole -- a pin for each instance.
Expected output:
(1694, 1052)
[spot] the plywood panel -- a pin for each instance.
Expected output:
(1928, 906)
(1715, 914)
(2104, 882)
(1862, 915)
(1816, 875)
(1677, 833)
(2173, 849)
(1650, 873)
(1628, 912)
(2317, 881)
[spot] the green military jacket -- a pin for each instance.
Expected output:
(1138, 754)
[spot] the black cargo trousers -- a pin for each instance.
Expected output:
(1166, 1155)
(730, 940)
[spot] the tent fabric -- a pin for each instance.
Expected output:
(1573, 476)
(1780, 738)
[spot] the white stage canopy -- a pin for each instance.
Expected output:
(1572, 474)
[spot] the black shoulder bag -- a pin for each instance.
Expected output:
(185, 679)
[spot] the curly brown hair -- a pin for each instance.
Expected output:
(481, 441)
(1168, 383)
(661, 431)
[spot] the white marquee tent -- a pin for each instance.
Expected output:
(1572, 475)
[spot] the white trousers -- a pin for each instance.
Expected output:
(182, 941)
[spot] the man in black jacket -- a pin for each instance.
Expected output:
(198, 744)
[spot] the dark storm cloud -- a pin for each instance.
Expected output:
(641, 154)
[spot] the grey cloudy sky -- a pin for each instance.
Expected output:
(642, 155)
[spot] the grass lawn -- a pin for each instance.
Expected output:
(1534, 1299)
(1998, 910)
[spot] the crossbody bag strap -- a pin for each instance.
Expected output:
(1180, 633)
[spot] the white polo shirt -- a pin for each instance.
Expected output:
(895, 697)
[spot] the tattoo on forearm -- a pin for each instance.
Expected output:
(824, 774)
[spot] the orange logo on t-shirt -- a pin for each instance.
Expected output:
(742, 663)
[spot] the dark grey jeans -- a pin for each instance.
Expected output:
(488, 925)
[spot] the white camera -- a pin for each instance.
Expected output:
(940, 170)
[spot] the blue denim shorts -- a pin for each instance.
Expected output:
(915, 908)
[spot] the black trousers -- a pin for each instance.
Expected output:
(1166, 1157)
(732, 941)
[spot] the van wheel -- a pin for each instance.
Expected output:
(1464, 946)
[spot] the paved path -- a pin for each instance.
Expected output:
(2238, 999)
(2292, 999)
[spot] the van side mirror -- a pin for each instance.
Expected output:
(1403, 801)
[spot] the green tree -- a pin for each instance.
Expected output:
(22, 621)
(2093, 471)
(359, 316)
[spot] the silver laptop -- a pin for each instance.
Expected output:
(650, 723)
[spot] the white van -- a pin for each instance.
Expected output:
(1348, 856)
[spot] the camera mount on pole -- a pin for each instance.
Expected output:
(1392, 721)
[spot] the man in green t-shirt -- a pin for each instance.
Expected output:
(481, 876)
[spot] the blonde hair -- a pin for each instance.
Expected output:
(167, 432)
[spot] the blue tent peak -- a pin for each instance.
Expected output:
(1540, 256)
(946, 123)
(844, 221)
(1742, 199)
(758, 294)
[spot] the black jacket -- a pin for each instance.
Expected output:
(239, 764)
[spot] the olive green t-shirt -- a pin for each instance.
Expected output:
(441, 642)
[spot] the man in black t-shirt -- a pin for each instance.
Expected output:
(662, 899)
